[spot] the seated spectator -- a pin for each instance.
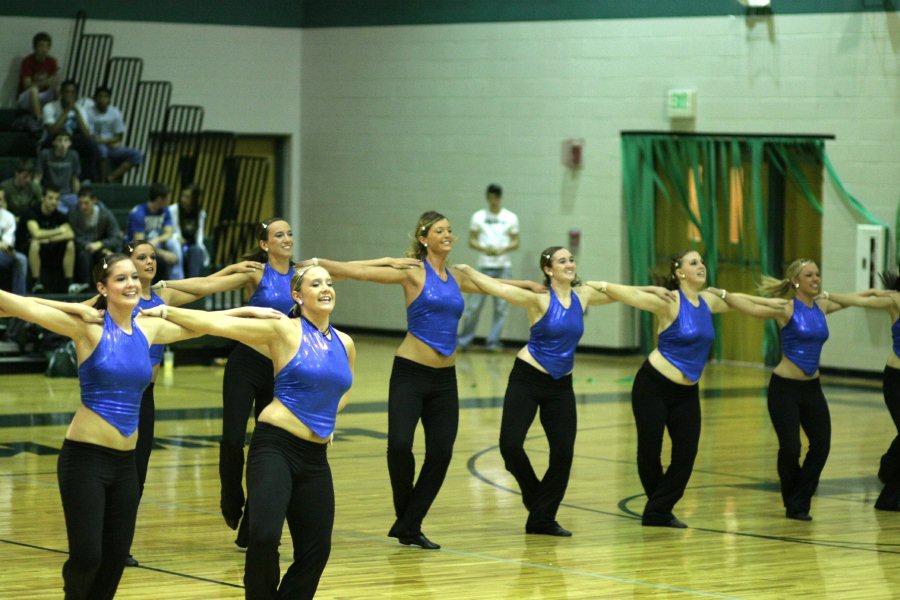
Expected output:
(11, 262)
(38, 76)
(108, 130)
(59, 167)
(96, 234)
(189, 221)
(21, 189)
(152, 221)
(46, 235)
(67, 115)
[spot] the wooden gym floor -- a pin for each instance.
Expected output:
(739, 544)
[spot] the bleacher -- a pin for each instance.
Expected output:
(120, 198)
(177, 150)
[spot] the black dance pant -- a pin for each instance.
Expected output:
(99, 491)
(889, 471)
(146, 425)
(430, 394)
(660, 404)
(527, 391)
(287, 477)
(794, 404)
(249, 376)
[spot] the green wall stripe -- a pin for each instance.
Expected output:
(356, 13)
(260, 13)
(363, 13)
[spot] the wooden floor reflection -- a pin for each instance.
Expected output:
(739, 544)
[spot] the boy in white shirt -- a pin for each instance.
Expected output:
(108, 130)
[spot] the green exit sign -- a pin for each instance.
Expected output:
(681, 104)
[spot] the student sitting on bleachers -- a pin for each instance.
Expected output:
(189, 221)
(46, 235)
(152, 221)
(11, 262)
(38, 76)
(67, 115)
(59, 167)
(21, 189)
(96, 234)
(108, 130)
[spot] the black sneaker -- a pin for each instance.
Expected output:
(38, 288)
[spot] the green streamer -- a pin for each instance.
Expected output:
(662, 163)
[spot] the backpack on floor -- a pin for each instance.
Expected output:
(63, 362)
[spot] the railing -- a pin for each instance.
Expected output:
(148, 115)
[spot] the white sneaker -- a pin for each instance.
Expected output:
(77, 288)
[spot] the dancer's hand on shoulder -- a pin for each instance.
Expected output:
(246, 266)
(160, 311)
(405, 263)
(92, 315)
(667, 294)
(258, 312)
(534, 286)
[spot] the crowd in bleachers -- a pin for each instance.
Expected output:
(62, 202)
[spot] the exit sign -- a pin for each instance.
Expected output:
(681, 104)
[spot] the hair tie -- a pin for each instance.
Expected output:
(105, 266)
(264, 225)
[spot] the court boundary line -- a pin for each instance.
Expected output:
(631, 515)
(145, 567)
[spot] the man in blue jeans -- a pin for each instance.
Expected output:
(494, 233)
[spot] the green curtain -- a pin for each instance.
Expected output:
(661, 164)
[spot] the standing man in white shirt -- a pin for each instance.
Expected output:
(494, 233)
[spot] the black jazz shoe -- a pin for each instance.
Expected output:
(551, 529)
(419, 540)
(798, 515)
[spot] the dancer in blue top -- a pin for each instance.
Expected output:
(249, 377)
(541, 378)
(889, 300)
(287, 467)
(423, 377)
(795, 398)
(143, 255)
(96, 470)
(665, 394)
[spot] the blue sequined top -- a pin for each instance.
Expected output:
(686, 342)
(156, 350)
(312, 383)
(274, 290)
(433, 316)
(556, 334)
(895, 332)
(114, 376)
(803, 337)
